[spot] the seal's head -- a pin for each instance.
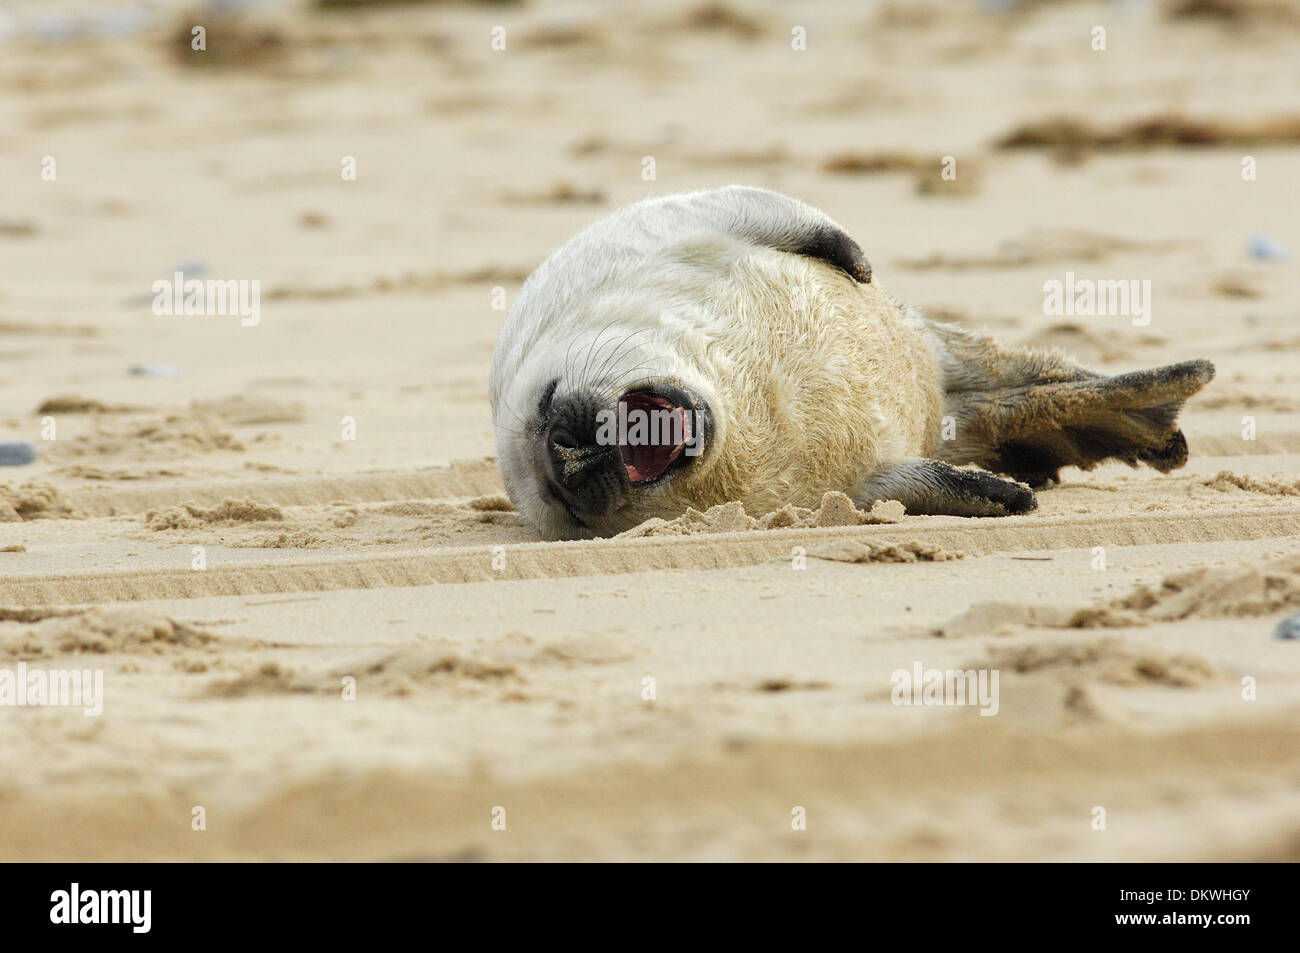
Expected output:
(602, 438)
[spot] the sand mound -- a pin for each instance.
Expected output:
(1225, 481)
(76, 404)
(557, 193)
(191, 515)
(491, 504)
(243, 522)
(296, 539)
(874, 163)
(1160, 130)
(413, 508)
(437, 509)
(1000, 618)
(1203, 593)
(394, 674)
(1262, 14)
(269, 678)
(926, 170)
(853, 551)
(172, 436)
(836, 510)
(101, 631)
(603, 649)
(1244, 591)
(242, 410)
(36, 613)
(1111, 660)
(402, 672)
(80, 471)
(45, 329)
(185, 433)
(30, 501)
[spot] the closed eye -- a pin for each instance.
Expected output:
(544, 405)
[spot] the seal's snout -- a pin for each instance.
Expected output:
(586, 471)
(576, 460)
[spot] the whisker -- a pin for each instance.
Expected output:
(629, 377)
(614, 356)
(581, 382)
(508, 406)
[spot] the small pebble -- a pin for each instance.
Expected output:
(1288, 628)
(1267, 249)
(16, 453)
(192, 269)
(156, 370)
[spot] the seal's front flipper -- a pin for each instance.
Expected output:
(929, 487)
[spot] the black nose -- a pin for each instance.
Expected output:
(575, 461)
(585, 471)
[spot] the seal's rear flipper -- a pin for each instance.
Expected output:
(1029, 413)
(931, 488)
(1030, 433)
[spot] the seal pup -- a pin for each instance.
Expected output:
(749, 325)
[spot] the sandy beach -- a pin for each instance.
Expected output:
(323, 631)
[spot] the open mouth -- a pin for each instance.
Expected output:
(655, 428)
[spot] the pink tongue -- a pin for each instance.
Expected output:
(647, 460)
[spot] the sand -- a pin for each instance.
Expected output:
(286, 545)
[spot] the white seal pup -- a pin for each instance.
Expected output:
(731, 345)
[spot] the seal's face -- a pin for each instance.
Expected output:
(583, 458)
